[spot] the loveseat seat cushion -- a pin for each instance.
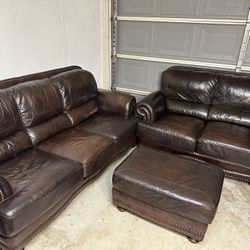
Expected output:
(188, 91)
(225, 141)
(178, 132)
(114, 127)
(92, 151)
(39, 181)
(12, 138)
(231, 102)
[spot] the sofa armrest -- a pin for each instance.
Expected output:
(152, 107)
(116, 103)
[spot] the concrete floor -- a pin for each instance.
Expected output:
(92, 222)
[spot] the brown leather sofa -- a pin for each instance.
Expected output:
(58, 132)
(203, 113)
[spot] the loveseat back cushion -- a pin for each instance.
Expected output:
(12, 138)
(76, 87)
(232, 100)
(37, 101)
(40, 105)
(188, 91)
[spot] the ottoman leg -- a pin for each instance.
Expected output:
(121, 209)
(194, 241)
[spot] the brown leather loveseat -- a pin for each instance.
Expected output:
(203, 113)
(57, 133)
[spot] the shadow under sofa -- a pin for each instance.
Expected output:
(203, 113)
(58, 132)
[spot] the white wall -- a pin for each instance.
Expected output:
(37, 35)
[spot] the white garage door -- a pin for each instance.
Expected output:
(152, 35)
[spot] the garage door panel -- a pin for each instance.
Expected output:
(135, 37)
(219, 43)
(133, 74)
(173, 40)
(233, 9)
(195, 42)
(219, 9)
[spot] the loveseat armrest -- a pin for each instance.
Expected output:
(116, 103)
(152, 107)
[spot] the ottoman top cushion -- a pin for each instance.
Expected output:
(183, 186)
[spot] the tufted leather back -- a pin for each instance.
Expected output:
(208, 94)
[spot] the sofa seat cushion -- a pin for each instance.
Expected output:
(226, 141)
(92, 151)
(175, 131)
(115, 127)
(38, 181)
(179, 185)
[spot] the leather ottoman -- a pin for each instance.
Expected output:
(174, 191)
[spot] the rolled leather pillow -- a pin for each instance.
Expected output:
(5, 189)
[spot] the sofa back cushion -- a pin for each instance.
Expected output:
(188, 91)
(76, 87)
(12, 138)
(78, 90)
(41, 109)
(231, 101)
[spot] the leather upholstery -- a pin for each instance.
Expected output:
(187, 86)
(5, 189)
(175, 131)
(152, 107)
(12, 139)
(82, 112)
(226, 141)
(76, 87)
(38, 181)
(90, 150)
(7, 83)
(232, 101)
(40, 110)
(40, 105)
(37, 101)
(182, 186)
(111, 126)
(48, 128)
(210, 95)
(116, 103)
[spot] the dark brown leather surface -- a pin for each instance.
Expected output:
(176, 131)
(187, 86)
(231, 101)
(38, 181)
(185, 187)
(226, 141)
(76, 87)
(37, 101)
(116, 103)
(82, 112)
(114, 127)
(36, 76)
(12, 139)
(151, 107)
(48, 128)
(90, 150)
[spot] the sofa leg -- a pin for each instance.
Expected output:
(121, 209)
(194, 241)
